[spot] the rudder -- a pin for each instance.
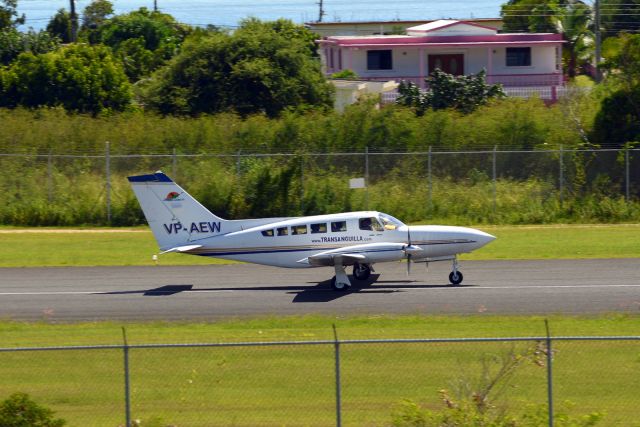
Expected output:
(175, 217)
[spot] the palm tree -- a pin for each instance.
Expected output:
(574, 22)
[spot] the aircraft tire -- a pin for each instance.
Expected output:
(338, 286)
(361, 271)
(455, 278)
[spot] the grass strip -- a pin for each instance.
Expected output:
(294, 385)
(136, 246)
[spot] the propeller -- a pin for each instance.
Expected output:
(408, 249)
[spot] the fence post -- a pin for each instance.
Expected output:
(108, 173)
(561, 179)
(366, 178)
(338, 386)
(626, 173)
(429, 182)
(127, 388)
(549, 374)
(495, 149)
(50, 177)
(174, 165)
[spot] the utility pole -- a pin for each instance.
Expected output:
(74, 21)
(598, 53)
(155, 5)
(321, 12)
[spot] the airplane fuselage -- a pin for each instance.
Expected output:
(181, 224)
(287, 243)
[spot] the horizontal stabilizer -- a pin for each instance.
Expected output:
(181, 249)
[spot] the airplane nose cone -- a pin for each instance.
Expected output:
(483, 238)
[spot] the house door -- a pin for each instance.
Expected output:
(450, 63)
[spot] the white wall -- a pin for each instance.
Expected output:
(406, 61)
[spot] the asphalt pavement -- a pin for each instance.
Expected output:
(240, 290)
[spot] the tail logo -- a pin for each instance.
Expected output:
(172, 197)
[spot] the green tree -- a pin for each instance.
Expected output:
(20, 411)
(60, 26)
(94, 16)
(14, 42)
(618, 16)
(9, 17)
(157, 33)
(80, 78)
(530, 15)
(463, 93)
(618, 120)
(574, 22)
(96, 13)
(260, 68)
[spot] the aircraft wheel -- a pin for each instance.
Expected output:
(338, 286)
(361, 271)
(455, 277)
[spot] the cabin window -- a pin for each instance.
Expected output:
(283, 231)
(371, 224)
(518, 56)
(338, 226)
(298, 229)
(379, 60)
(267, 233)
(390, 223)
(319, 228)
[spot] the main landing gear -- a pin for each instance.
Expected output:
(341, 282)
(455, 277)
(362, 271)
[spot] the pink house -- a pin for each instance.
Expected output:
(517, 61)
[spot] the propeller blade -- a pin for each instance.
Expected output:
(408, 264)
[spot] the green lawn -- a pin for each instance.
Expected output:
(281, 385)
(136, 246)
(252, 386)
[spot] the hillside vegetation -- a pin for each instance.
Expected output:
(216, 160)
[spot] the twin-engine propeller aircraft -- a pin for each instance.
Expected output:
(359, 239)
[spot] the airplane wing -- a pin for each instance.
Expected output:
(330, 259)
(364, 254)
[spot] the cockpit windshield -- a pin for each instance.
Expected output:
(389, 222)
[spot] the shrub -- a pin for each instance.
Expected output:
(20, 411)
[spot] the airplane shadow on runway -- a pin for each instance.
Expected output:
(321, 292)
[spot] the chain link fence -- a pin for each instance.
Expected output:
(92, 189)
(333, 382)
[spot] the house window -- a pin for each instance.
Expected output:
(379, 60)
(518, 56)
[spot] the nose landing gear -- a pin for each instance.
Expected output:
(455, 277)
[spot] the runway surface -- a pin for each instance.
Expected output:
(213, 292)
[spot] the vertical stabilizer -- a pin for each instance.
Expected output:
(176, 219)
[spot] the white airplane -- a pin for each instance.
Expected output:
(359, 239)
